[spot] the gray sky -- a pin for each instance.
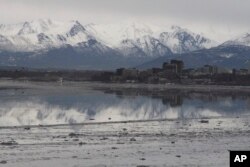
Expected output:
(234, 15)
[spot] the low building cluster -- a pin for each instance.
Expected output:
(174, 72)
(170, 72)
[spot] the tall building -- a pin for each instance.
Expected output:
(172, 68)
(179, 65)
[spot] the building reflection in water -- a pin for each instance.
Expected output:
(172, 100)
(118, 105)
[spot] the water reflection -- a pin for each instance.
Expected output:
(34, 107)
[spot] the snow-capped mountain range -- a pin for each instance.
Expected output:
(45, 43)
(41, 34)
(127, 38)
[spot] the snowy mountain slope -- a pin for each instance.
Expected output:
(114, 34)
(130, 36)
(221, 56)
(241, 40)
(144, 46)
(44, 34)
(5, 43)
(181, 40)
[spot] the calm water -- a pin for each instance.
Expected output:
(55, 105)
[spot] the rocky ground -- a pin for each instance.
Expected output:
(192, 142)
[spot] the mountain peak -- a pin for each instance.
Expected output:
(26, 29)
(176, 27)
(246, 35)
(35, 26)
(76, 28)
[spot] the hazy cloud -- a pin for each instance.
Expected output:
(230, 14)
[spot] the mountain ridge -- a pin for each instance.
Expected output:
(234, 56)
(45, 34)
(46, 43)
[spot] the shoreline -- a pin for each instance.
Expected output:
(88, 123)
(159, 87)
(121, 86)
